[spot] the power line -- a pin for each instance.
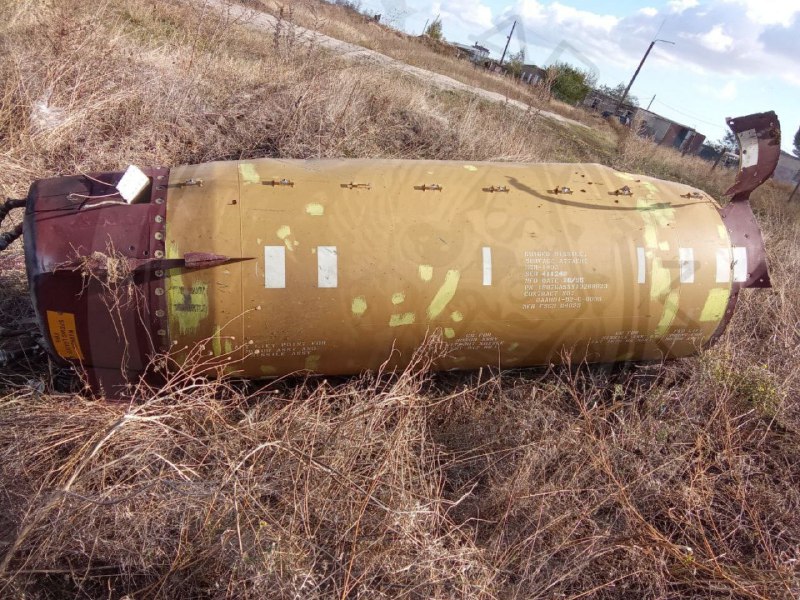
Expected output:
(696, 118)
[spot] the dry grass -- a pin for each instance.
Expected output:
(673, 481)
(350, 26)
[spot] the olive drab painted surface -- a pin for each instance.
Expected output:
(350, 263)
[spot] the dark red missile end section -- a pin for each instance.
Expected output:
(95, 263)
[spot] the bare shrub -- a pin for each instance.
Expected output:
(664, 481)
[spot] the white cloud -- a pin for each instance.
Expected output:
(470, 13)
(563, 14)
(648, 11)
(775, 12)
(715, 39)
(679, 6)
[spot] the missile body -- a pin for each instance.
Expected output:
(338, 266)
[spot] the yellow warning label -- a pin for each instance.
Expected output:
(64, 334)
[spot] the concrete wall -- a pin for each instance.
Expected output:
(787, 169)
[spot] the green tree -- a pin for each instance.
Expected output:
(617, 91)
(516, 60)
(570, 84)
(797, 143)
(434, 30)
(727, 143)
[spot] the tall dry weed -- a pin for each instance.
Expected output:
(664, 481)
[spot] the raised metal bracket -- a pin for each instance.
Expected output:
(278, 183)
(623, 191)
(560, 190)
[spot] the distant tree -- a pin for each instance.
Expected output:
(354, 5)
(797, 143)
(617, 91)
(434, 30)
(570, 84)
(516, 60)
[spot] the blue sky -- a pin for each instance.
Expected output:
(730, 58)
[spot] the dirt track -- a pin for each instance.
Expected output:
(266, 22)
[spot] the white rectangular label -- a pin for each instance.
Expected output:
(687, 265)
(274, 267)
(327, 267)
(740, 264)
(133, 183)
(641, 259)
(487, 265)
(724, 260)
(748, 140)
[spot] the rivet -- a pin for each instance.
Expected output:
(159, 254)
(159, 291)
(160, 313)
(159, 219)
(159, 273)
(159, 201)
(159, 235)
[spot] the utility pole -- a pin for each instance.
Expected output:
(795, 187)
(508, 41)
(651, 102)
(639, 68)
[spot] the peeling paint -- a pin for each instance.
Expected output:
(661, 280)
(650, 236)
(457, 316)
(425, 272)
(216, 344)
(445, 294)
(312, 362)
(187, 305)
(398, 298)
(268, 369)
(283, 234)
(449, 333)
(513, 347)
(716, 303)
(402, 319)
(248, 174)
(359, 306)
(315, 210)
(470, 168)
(670, 312)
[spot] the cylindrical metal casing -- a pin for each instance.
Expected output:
(349, 263)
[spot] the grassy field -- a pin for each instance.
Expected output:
(661, 481)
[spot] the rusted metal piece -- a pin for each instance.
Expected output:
(104, 328)
(99, 263)
(759, 137)
(435, 187)
(501, 189)
(357, 186)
